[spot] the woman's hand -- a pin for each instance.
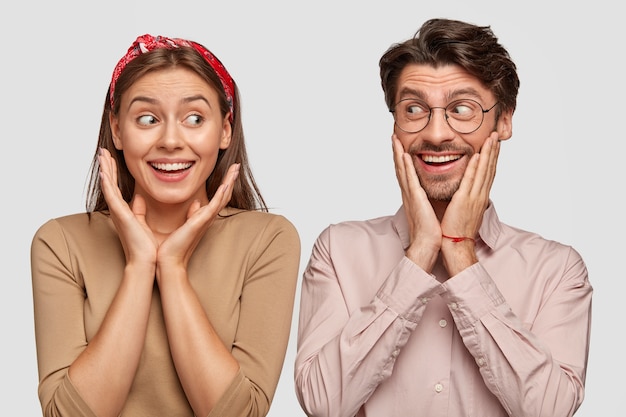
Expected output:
(176, 250)
(137, 239)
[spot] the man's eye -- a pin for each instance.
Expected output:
(464, 109)
(415, 109)
(461, 110)
(146, 120)
(194, 120)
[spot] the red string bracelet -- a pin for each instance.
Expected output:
(457, 239)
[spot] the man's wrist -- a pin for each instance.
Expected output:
(458, 255)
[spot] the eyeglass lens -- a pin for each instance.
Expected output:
(464, 116)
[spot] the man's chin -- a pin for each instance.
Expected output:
(441, 192)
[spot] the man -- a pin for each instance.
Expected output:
(441, 309)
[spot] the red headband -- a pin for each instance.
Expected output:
(148, 43)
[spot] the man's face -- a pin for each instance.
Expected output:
(440, 153)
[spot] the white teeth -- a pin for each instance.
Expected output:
(440, 159)
(172, 167)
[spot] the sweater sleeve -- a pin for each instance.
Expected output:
(263, 331)
(58, 299)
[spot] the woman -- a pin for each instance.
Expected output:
(173, 294)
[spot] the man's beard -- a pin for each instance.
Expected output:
(438, 188)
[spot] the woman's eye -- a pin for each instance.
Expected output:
(194, 120)
(146, 120)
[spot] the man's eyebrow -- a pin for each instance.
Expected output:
(406, 91)
(472, 92)
(464, 92)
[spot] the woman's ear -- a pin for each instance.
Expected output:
(115, 131)
(227, 132)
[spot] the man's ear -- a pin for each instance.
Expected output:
(505, 125)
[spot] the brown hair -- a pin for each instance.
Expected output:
(442, 42)
(246, 194)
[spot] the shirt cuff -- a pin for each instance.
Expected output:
(407, 289)
(470, 295)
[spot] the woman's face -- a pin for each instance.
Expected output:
(170, 130)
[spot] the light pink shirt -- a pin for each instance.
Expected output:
(380, 337)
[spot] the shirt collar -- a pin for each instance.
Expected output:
(489, 231)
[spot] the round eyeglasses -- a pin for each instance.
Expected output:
(464, 116)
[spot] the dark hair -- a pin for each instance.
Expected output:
(442, 42)
(246, 194)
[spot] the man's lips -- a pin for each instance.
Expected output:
(439, 159)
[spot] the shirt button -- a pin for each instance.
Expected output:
(438, 387)
(394, 353)
(480, 361)
(443, 323)
(454, 306)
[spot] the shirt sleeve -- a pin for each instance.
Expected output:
(344, 355)
(534, 369)
(267, 301)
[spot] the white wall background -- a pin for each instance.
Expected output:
(318, 133)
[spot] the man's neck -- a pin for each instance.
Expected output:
(439, 207)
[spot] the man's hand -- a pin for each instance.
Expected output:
(465, 212)
(424, 229)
